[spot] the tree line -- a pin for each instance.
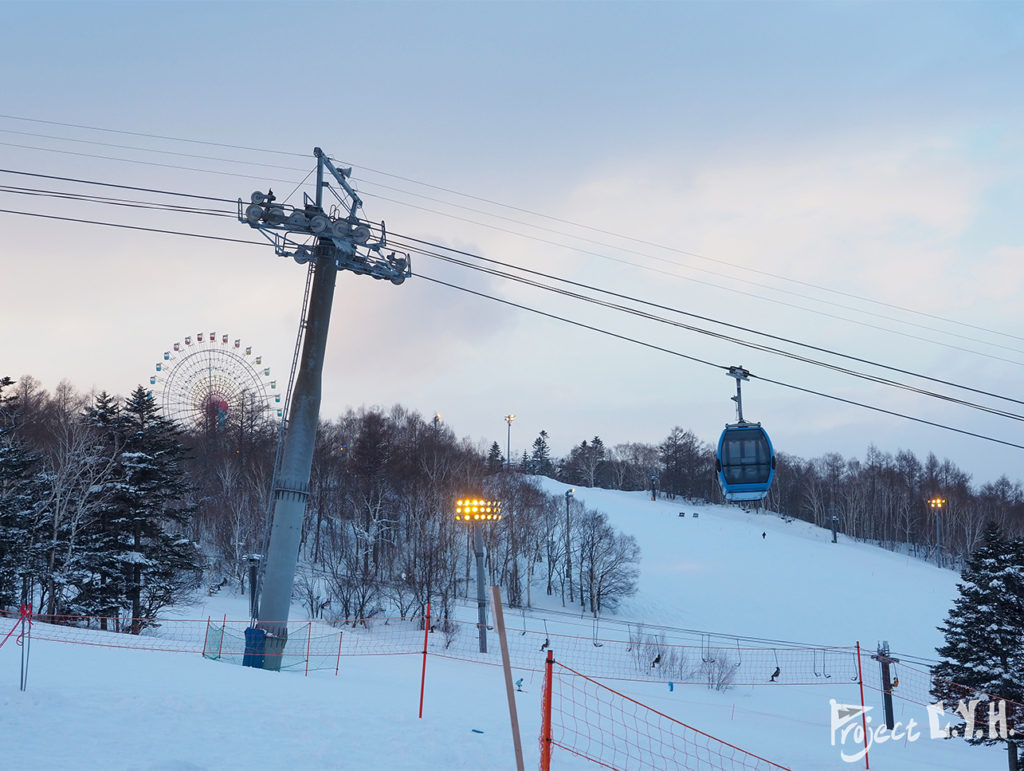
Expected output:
(108, 509)
(884, 498)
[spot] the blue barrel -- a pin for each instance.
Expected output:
(255, 648)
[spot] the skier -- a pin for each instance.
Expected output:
(764, 535)
(776, 673)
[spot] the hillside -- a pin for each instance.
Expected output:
(96, 707)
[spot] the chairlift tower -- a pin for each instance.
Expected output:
(332, 240)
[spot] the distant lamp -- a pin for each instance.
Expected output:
(508, 441)
(938, 504)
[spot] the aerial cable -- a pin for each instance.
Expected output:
(121, 187)
(176, 167)
(131, 227)
(613, 306)
(652, 346)
(153, 136)
(676, 264)
(652, 317)
(737, 341)
(482, 199)
(247, 162)
(738, 327)
(557, 318)
(106, 200)
(717, 366)
(681, 277)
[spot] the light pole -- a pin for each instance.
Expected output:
(508, 446)
(476, 513)
(568, 551)
(937, 505)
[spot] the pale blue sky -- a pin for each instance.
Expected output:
(873, 148)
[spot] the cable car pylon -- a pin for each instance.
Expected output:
(341, 241)
(745, 459)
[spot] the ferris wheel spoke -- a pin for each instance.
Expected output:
(207, 383)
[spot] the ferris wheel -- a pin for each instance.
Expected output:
(206, 380)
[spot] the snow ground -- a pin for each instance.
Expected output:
(100, 708)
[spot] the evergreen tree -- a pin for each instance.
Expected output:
(687, 465)
(983, 657)
(98, 574)
(156, 561)
(21, 499)
(540, 458)
(495, 460)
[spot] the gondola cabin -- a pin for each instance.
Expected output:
(745, 462)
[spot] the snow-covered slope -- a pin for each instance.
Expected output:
(98, 708)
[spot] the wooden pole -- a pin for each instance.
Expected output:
(499, 624)
(423, 677)
(309, 639)
(223, 631)
(207, 638)
(338, 665)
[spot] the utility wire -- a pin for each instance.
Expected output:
(146, 163)
(227, 200)
(595, 254)
(417, 248)
(152, 136)
(536, 311)
(39, 193)
(737, 341)
(613, 306)
(743, 293)
(627, 262)
(131, 227)
(718, 366)
(676, 264)
(467, 196)
(120, 187)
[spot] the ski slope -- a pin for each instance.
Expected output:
(101, 708)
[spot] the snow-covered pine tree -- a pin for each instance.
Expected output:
(150, 515)
(540, 458)
(495, 460)
(984, 648)
(21, 498)
(97, 572)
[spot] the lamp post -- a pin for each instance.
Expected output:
(508, 445)
(937, 505)
(475, 513)
(568, 543)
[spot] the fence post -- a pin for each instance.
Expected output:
(545, 726)
(338, 665)
(223, 632)
(863, 712)
(207, 638)
(423, 677)
(309, 639)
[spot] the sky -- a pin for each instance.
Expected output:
(845, 175)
